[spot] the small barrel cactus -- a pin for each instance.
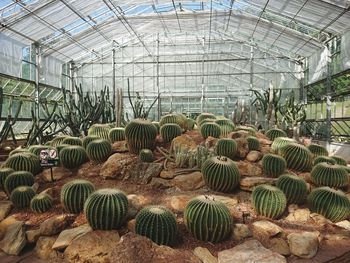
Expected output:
(273, 165)
(57, 140)
(324, 159)
(169, 131)
(190, 124)
(146, 156)
(72, 156)
(174, 118)
(332, 204)
(269, 201)
(41, 203)
(250, 130)
(279, 142)
(226, 126)
(317, 150)
(203, 116)
(294, 187)
(253, 143)
(206, 121)
(19, 150)
(140, 134)
(4, 173)
(16, 179)
(274, 133)
(74, 195)
(24, 161)
(208, 219)
(157, 223)
(297, 156)
(86, 140)
(72, 141)
(36, 149)
(100, 130)
(210, 129)
(157, 125)
(21, 196)
(106, 209)
(220, 174)
(116, 134)
(332, 175)
(99, 150)
(226, 147)
(339, 160)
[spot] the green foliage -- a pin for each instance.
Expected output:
(100, 130)
(273, 165)
(87, 139)
(317, 150)
(146, 156)
(99, 150)
(72, 141)
(24, 162)
(203, 116)
(72, 156)
(140, 134)
(226, 147)
(294, 187)
(332, 175)
(210, 129)
(157, 223)
(174, 118)
(41, 203)
(279, 142)
(4, 173)
(253, 143)
(324, 159)
(293, 112)
(208, 219)
(274, 133)
(297, 156)
(106, 209)
(18, 178)
(339, 160)
(21, 196)
(116, 134)
(169, 131)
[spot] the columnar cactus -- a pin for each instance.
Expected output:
(203, 116)
(274, 133)
(332, 204)
(140, 134)
(220, 174)
(57, 140)
(169, 131)
(210, 129)
(332, 175)
(269, 201)
(317, 150)
(21, 196)
(41, 203)
(24, 161)
(100, 130)
(297, 156)
(74, 195)
(226, 147)
(174, 118)
(106, 209)
(72, 141)
(294, 187)
(273, 165)
(339, 160)
(99, 150)
(208, 219)
(116, 134)
(18, 178)
(253, 143)
(86, 140)
(324, 159)
(146, 155)
(157, 223)
(72, 156)
(4, 173)
(190, 124)
(279, 142)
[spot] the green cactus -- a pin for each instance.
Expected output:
(100, 130)
(157, 223)
(74, 195)
(24, 161)
(210, 129)
(226, 147)
(21, 196)
(36, 149)
(332, 204)
(253, 143)
(273, 165)
(87, 139)
(57, 140)
(207, 219)
(41, 203)
(226, 126)
(294, 187)
(106, 209)
(4, 173)
(146, 156)
(157, 125)
(19, 150)
(274, 133)
(317, 150)
(72, 141)
(190, 124)
(140, 134)
(269, 201)
(203, 116)
(248, 129)
(279, 142)
(339, 160)
(99, 150)
(116, 134)
(72, 156)
(332, 175)
(297, 156)
(220, 174)
(169, 131)
(174, 118)
(324, 159)
(18, 178)
(206, 121)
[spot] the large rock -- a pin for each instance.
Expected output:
(240, 232)
(249, 252)
(248, 183)
(142, 173)
(344, 224)
(204, 255)
(304, 244)
(5, 208)
(189, 182)
(58, 173)
(138, 201)
(160, 183)
(67, 236)
(265, 149)
(183, 141)
(120, 146)
(242, 147)
(89, 169)
(14, 238)
(116, 165)
(254, 156)
(299, 215)
(165, 174)
(43, 248)
(279, 245)
(238, 134)
(265, 229)
(320, 219)
(178, 202)
(210, 142)
(249, 169)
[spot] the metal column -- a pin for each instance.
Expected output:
(203, 88)
(251, 80)
(328, 100)
(37, 90)
(158, 88)
(72, 75)
(113, 83)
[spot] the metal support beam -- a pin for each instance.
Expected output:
(328, 100)
(113, 80)
(158, 88)
(37, 87)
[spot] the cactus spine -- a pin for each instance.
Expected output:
(203, 116)
(169, 131)
(324, 159)
(297, 156)
(4, 173)
(339, 160)
(24, 162)
(86, 140)
(317, 150)
(253, 143)
(279, 142)
(210, 129)
(146, 156)
(100, 130)
(72, 141)
(272, 134)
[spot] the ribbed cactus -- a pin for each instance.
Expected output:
(174, 118)
(206, 121)
(220, 174)
(293, 187)
(4, 173)
(72, 156)
(100, 130)
(297, 156)
(279, 142)
(208, 219)
(16, 179)
(146, 156)
(72, 141)
(99, 150)
(157, 223)
(106, 209)
(21, 196)
(74, 195)
(24, 161)
(19, 150)
(41, 203)
(157, 125)
(317, 150)
(169, 131)
(248, 129)
(140, 134)
(339, 160)
(36, 149)
(269, 201)
(190, 124)
(226, 147)
(273, 165)
(116, 134)
(253, 143)
(332, 175)
(203, 116)
(210, 129)
(57, 140)
(332, 204)
(274, 133)
(87, 139)
(226, 126)
(324, 159)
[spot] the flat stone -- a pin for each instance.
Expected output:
(67, 236)
(167, 174)
(204, 255)
(254, 156)
(242, 147)
(58, 172)
(14, 238)
(137, 201)
(189, 182)
(248, 183)
(304, 244)
(249, 169)
(320, 219)
(279, 245)
(131, 225)
(5, 209)
(344, 224)
(44, 250)
(142, 173)
(117, 165)
(240, 232)
(265, 229)
(184, 142)
(120, 146)
(35, 187)
(160, 183)
(299, 215)
(178, 202)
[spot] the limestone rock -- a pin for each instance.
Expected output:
(299, 215)
(178, 202)
(67, 236)
(210, 142)
(254, 156)
(5, 208)
(248, 183)
(167, 174)
(160, 183)
(137, 201)
(279, 245)
(131, 225)
(116, 165)
(304, 244)
(120, 146)
(249, 252)
(189, 182)
(249, 169)
(204, 255)
(265, 229)
(142, 173)
(238, 134)
(183, 141)
(265, 149)
(344, 224)
(14, 238)
(89, 169)
(242, 147)
(240, 232)
(58, 172)
(43, 248)
(320, 219)
(35, 187)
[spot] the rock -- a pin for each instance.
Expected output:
(95, 246)
(250, 251)
(50, 191)
(265, 229)
(183, 141)
(320, 219)
(264, 142)
(299, 215)
(204, 255)
(35, 187)
(167, 174)
(43, 248)
(58, 172)
(14, 238)
(242, 147)
(67, 236)
(230, 202)
(131, 225)
(248, 183)
(160, 183)
(265, 149)
(279, 245)
(238, 134)
(210, 142)
(5, 208)
(306, 176)
(249, 169)
(89, 169)
(116, 165)
(241, 231)
(304, 244)
(178, 202)
(120, 146)
(189, 182)
(137, 201)
(344, 224)
(142, 173)
(254, 156)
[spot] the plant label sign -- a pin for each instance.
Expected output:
(48, 158)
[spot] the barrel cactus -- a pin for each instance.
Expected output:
(169, 131)
(116, 134)
(157, 223)
(21, 196)
(253, 143)
(36, 149)
(269, 201)
(57, 140)
(297, 156)
(317, 150)
(72, 141)
(146, 155)
(190, 124)
(226, 126)
(86, 140)
(280, 142)
(273, 165)
(140, 134)
(339, 160)
(4, 173)
(72, 156)
(99, 150)
(203, 116)
(332, 175)
(250, 130)
(206, 121)
(174, 118)
(220, 174)
(41, 203)
(332, 204)
(324, 159)
(24, 161)
(274, 133)
(100, 130)
(106, 209)
(210, 129)
(208, 219)
(157, 125)
(294, 187)
(226, 147)
(18, 178)
(19, 150)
